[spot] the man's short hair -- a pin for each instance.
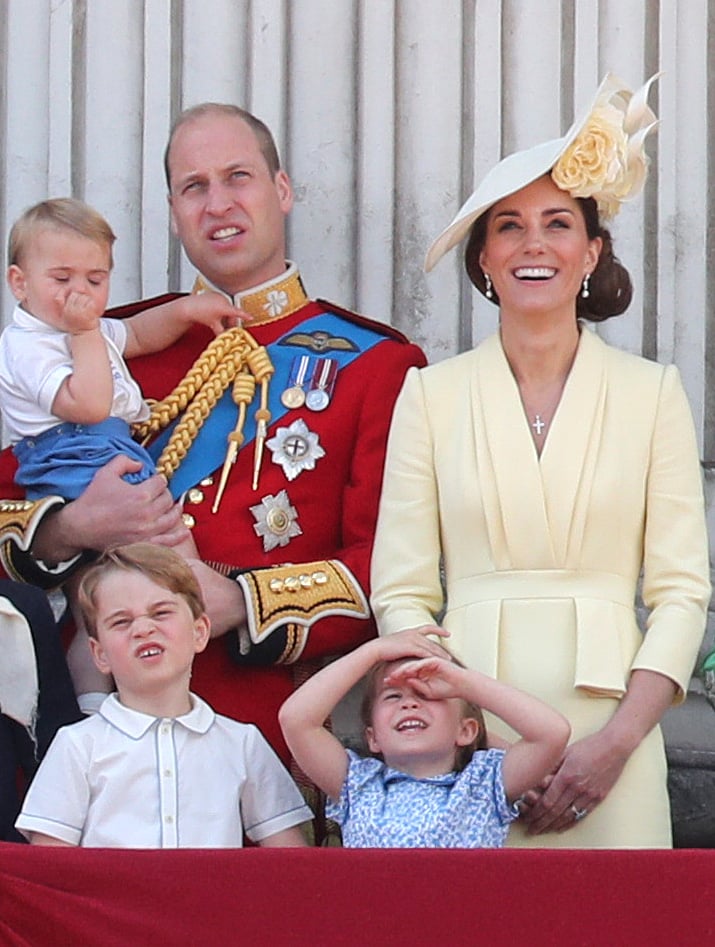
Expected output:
(266, 142)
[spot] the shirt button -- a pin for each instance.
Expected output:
(169, 819)
(165, 729)
(167, 772)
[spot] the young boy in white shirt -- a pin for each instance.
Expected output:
(156, 767)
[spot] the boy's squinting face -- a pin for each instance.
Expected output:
(417, 735)
(146, 635)
(55, 264)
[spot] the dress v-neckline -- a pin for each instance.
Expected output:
(536, 496)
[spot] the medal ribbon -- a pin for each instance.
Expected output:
(208, 450)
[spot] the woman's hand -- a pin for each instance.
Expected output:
(583, 779)
(591, 766)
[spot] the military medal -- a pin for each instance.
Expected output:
(322, 384)
(276, 520)
(294, 394)
(295, 448)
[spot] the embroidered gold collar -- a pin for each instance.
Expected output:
(272, 300)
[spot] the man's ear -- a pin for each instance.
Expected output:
(172, 221)
(98, 656)
(285, 190)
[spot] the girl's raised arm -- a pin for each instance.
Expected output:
(544, 731)
(319, 754)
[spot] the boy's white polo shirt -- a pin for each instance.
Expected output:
(124, 779)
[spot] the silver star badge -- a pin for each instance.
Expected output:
(295, 448)
(276, 521)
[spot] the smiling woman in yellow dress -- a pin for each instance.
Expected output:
(531, 482)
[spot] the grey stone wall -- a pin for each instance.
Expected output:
(689, 732)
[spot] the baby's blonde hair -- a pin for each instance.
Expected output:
(59, 213)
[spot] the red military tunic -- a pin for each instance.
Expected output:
(333, 503)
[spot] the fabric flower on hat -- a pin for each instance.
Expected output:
(602, 155)
(606, 160)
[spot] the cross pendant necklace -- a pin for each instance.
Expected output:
(538, 425)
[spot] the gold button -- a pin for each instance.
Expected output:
(292, 583)
(305, 580)
(206, 482)
(320, 578)
(195, 495)
(276, 585)
(188, 519)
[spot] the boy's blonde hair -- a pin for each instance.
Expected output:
(59, 213)
(158, 563)
(464, 753)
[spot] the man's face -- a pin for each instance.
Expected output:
(226, 208)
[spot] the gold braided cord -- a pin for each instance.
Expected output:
(220, 350)
(232, 357)
(244, 387)
(260, 364)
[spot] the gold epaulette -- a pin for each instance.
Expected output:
(296, 596)
(19, 520)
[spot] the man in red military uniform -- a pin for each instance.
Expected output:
(275, 464)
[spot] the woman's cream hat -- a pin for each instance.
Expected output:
(602, 156)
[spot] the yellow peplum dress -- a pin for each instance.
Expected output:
(542, 556)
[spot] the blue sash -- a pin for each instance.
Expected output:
(208, 450)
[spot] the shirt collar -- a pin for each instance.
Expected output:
(21, 317)
(396, 776)
(135, 724)
(268, 301)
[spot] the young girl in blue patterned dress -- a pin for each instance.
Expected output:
(431, 782)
